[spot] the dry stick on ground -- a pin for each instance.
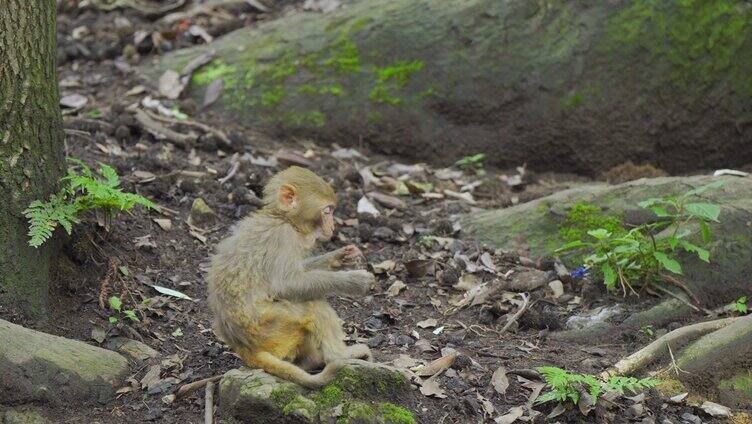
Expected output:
(189, 123)
(677, 297)
(518, 314)
(209, 403)
(675, 281)
(189, 388)
(150, 124)
(144, 6)
(650, 352)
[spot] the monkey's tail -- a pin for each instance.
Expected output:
(289, 371)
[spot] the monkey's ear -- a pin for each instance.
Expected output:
(288, 196)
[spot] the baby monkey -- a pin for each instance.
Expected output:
(268, 295)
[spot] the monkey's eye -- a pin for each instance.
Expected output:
(328, 210)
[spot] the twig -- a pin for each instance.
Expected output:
(675, 281)
(143, 6)
(189, 388)
(650, 352)
(209, 403)
(677, 297)
(150, 124)
(518, 314)
(674, 366)
(190, 123)
(233, 170)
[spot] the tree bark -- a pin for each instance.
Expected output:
(31, 154)
(572, 86)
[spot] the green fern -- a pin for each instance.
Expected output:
(82, 191)
(566, 386)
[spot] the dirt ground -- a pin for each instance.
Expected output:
(103, 130)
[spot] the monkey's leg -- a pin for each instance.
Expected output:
(360, 351)
(290, 372)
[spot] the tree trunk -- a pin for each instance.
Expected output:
(574, 86)
(31, 136)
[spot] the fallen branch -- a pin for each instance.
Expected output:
(148, 123)
(518, 314)
(201, 9)
(143, 6)
(198, 125)
(650, 352)
(209, 403)
(677, 297)
(675, 281)
(189, 388)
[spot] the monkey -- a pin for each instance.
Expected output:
(268, 295)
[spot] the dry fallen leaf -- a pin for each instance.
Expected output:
(387, 200)
(385, 266)
(418, 267)
(427, 323)
(437, 366)
(467, 282)
(170, 85)
(405, 361)
(431, 387)
(365, 206)
(511, 416)
(395, 288)
(500, 381)
(163, 223)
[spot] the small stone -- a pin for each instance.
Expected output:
(384, 233)
(375, 341)
(647, 420)
(716, 410)
(456, 385)
(403, 340)
(637, 410)
(557, 288)
(201, 213)
(691, 418)
(123, 133)
(365, 232)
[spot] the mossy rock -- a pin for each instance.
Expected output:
(534, 227)
(43, 368)
(356, 395)
(22, 415)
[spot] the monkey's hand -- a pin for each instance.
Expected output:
(346, 256)
(362, 281)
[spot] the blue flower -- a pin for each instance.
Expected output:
(579, 272)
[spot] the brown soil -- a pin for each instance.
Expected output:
(90, 269)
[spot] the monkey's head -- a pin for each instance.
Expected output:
(304, 199)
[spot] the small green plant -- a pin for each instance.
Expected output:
(474, 162)
(740, 305)
(648, 329)
(566, 386)
(94, 113)
(640, 254)
(116, 305)
(81, 191)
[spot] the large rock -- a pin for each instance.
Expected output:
(533, 226)
(38, 367)
(575, 86)
(253, 396)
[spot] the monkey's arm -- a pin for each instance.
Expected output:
(325, 261)
(316, 284)
(348, 255)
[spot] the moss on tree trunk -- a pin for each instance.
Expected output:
(575, 86)
(31, 135)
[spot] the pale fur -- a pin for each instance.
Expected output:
(264, 291)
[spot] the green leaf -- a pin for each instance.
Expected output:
(650, 202)
(131, 314)
(609, 275)
(701, 253)
(707, 211)
(660, 211)
(706, 187)
(705, 232)
(570, 245)
(124, 270)
(600, 233)
(113, 320)
(668, 263)
(115, 303)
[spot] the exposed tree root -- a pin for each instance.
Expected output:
(650, 352)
